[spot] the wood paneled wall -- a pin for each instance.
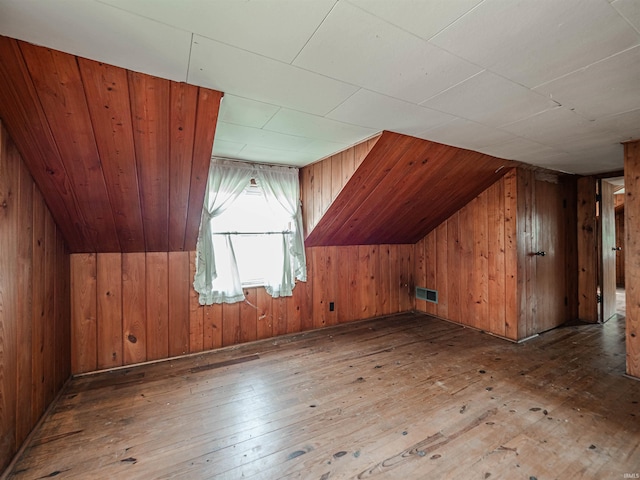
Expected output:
(481, 260)
(632, 253)
(471, 259)
(321, 182)
(121, 157)
(34, 303)
(587, 250)
(134, 307)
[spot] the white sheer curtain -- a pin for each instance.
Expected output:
(227, 180)
(217, 280)
(281, 188)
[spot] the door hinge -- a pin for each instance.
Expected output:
(598, 197)
(598, 298)
(566, 301)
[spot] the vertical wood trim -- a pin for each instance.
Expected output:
(430, 269)
(632, 254)
(179, 303)
(83, 313)
(134, 307)
(454, 255)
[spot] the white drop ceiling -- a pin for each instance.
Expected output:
(554, 83)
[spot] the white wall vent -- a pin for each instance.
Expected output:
(427, 294)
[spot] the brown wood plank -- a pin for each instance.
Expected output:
(134, 307)
(150, 107)
(24, 282)
(9, 309)
(178, 303)
(421, 272)
(58, 83)
(249, 316)
(480, 272)
(184, 103)
(109, 325)
(512, 255)
(442, 268)
(31, 132)
(230, 324)
(587, 262)
(384, 280)
(39, 307)
(454, 297)
(107, 92)
(632, 254)
(213, 326)
(320, 301)
(331, 286)
(264, 327)
(157, 293)
(49, 321)
(394, 278)
(83, 312)
(205, 129)
(196, 311)
(430, 269)
(496, 258)
(407, 282)
(345, 262)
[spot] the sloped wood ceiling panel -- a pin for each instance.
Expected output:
(121, 157)
(402, 190)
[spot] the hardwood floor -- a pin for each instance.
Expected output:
(407, 396)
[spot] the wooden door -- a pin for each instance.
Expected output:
(549, 255)
(607, 249)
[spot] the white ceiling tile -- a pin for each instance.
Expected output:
(296, 158)
(244, 111)
(558, 126)
(312, 126)
(423, 18)
(255, 136)
(605, 88)
(514, 149)
(231, 70)
(490, 99)
(274, 28)
(222, 148)
(627, 125)
(607, 158)
(321, 148)
(629, 9)
(99, 32)
(370, 109)
(533, 42)
(357, 47)
(466, 134)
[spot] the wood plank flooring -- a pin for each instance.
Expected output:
(406, 396)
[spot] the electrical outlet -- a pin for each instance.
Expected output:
(332, 306)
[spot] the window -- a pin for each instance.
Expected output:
(256, 230)
(250, 232)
